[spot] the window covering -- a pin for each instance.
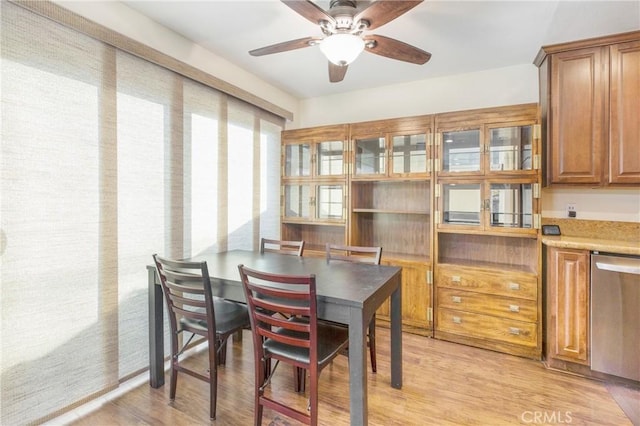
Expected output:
(106, 159)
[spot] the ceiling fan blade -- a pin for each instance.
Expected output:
(337, 72)
(380, 12)
(309, 10)
(394, 49)
(285, 45)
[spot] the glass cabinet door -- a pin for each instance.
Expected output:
(330, 158)
(330, 202)
(510, 148)
(297, 160)
(461, 203)
(370, 156)
(461, 151)
(297, 200)
(511, 205)
(409, 154)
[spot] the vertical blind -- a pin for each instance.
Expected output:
(106, 159)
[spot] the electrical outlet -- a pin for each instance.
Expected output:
(571, 210)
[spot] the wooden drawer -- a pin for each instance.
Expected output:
(487, 327)
(499, 306)
(490, 281)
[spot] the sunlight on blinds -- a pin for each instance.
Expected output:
(105, 160)
(269, 179)
(201, 131)
(143, 102)
(240, 178)
(51, 295)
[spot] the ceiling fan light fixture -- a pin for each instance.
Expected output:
(342, 49)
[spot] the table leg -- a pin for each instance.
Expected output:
(156, 332)
(358, 397)
(396, 337)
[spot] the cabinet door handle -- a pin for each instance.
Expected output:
(455, 278)
(456, 299)
(514, 286)
(457, 320)
(514, 308)
(514, 330)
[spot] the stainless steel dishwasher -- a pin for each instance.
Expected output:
(615, 315)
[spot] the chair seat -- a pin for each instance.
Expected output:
(332, 338)
(229, 316)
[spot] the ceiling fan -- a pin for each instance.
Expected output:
(343, 26)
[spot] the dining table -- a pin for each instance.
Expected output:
(347, 292)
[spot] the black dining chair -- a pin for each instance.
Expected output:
(295, 337)
(361, 254)
(193, 311)
(294, 248)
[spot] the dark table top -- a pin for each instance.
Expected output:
(337, 282)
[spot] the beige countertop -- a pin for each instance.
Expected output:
(604, 236)
(592, 244)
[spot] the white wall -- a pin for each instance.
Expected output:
(497, 87)
(129, 22)
(618, 205)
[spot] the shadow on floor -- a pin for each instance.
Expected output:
(628, 398)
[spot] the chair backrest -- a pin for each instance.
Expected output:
(360, 254)
(288, 295)
(295, 248)
(187, 290)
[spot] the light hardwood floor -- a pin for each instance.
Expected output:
(444, 384)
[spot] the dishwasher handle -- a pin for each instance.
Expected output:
(625, 269)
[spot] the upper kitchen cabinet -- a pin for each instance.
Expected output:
(487, 170)
(589, 93)
(315, 154)
(398, 148)
(496, 141)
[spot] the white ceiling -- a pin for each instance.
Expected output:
(462, 36)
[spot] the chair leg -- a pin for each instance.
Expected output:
(222, 353)
(299, 378)
(173, 381)
(372, 344)
(213, 382)
(257, 418)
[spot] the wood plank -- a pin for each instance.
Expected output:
(444, 384)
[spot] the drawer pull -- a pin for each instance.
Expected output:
(455, 278)
(457, 320)
(456, 299)
(514, 286)
(514, 330)
(514, 308)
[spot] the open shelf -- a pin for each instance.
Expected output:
(406, 196)
(315, 236)
(488, 251)
(395, 232)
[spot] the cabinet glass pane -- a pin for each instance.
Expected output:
(461, 203)
(510, 148)
(329, 202)
(296, 201)
(511, 205)
(409, 154)
(297, 160)
(330, 158)
(370, 156)
(461, 151)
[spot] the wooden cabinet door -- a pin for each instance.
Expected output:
(416, 298)
(624, 121)
(576, 145)
(568, 298)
